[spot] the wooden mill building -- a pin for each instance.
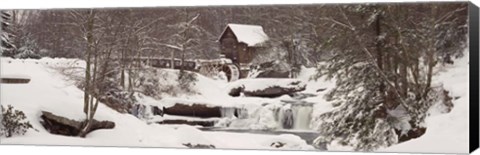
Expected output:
(240, 42)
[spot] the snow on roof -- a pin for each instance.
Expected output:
(15, 76)
(252, 35)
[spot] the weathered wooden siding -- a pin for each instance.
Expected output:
(232, 49)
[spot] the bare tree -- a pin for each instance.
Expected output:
(185, 37)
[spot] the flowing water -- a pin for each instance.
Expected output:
(302, 116)
(292, 118)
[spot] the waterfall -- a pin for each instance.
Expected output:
(302, 117)
(295, 117)
(241, 113)
(227, 112)
(288, 119)
(273, 116)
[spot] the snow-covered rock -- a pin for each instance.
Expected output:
(195, 110)
(268, 87)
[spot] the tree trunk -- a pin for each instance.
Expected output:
(90, 43)
(86, 127)
(378, 47)
(122, 74)
(88, 85)
(431, 59)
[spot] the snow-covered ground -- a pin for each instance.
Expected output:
(446, 133)
(50, 91)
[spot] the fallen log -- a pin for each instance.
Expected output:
(63, 126)
(15, 80)
(189, 122)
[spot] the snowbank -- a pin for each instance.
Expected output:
(49, 91)
(15, 76)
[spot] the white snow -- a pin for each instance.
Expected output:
(15, 76)
(252, 35)
(49, 91)
(258, 140)
(446, 133)
(256, 84)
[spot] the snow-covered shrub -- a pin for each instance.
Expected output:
(112, 95)
(186, 82)
(118, 99)
(149, 83)
(109, 93)
(158, 83)
(13, 122)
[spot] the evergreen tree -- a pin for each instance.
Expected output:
(7, 48)
(27, 48)
(383, 65)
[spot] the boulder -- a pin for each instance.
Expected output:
(273, 74)
(277, 144)
(236, 91)
(157, 111)
(199, 146)
(68, 127)
(200, 110)
(276, 90)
